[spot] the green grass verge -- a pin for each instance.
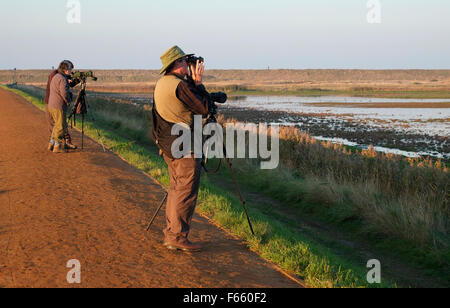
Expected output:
(276, 241)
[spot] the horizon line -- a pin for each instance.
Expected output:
(241, 69)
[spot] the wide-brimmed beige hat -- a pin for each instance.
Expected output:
(171, 55)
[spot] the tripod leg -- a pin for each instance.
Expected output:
(227, 160)
(239, 193)
(157, 211)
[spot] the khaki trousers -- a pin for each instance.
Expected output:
(182, 199)
(60, 124)
(51, 124)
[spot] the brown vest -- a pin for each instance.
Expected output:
(168, 106)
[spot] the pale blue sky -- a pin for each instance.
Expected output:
(229, 34)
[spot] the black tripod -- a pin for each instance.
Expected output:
(212, 119)
(82, 107)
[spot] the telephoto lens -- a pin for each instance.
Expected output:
(219, 97)
(83, 75)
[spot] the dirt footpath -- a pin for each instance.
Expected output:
(93, 207)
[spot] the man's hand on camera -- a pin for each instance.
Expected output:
(197, 72)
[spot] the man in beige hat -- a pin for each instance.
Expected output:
(179, 95)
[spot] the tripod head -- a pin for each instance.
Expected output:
(211, 118)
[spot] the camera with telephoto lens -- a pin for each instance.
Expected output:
(82, 76)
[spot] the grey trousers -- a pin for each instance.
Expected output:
(184, 185)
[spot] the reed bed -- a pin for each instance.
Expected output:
(389, 194)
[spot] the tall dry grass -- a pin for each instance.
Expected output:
(393, 195)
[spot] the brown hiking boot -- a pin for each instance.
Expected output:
(51, 146)
(70, 146)
(184, 246)
(58, 149)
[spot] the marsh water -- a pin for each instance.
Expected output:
(390, 124)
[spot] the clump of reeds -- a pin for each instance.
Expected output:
(394, 195)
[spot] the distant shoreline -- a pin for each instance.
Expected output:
(412, 83)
